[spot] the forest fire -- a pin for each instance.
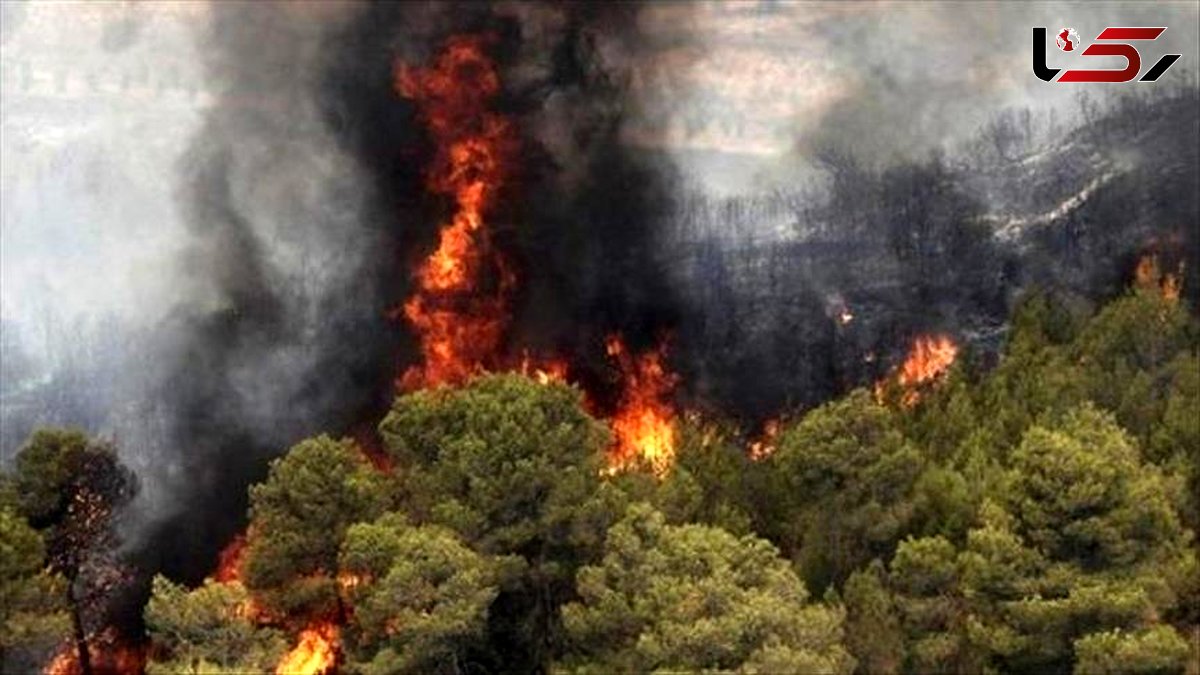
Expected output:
(229, 562)
(65, 661)
(643, 425)
(544, 371)
(928, 359)
(764, 445)
(348, 581)
(314, 654)
(446, 346)
(229, 571)
(519, 337)
(460, 308)
(458, 312)
(1149, 275)
(107, 654)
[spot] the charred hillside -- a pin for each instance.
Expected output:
(795, 296)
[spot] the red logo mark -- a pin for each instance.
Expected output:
(1067, 40)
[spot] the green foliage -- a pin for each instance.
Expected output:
(1041, 320)
(1123, 348)
(510, 464)
(69, 488)
(420, 596)
(944, 502)
(1082, 495)
(689, 598)
(33, 612)
(45, 467)
(873, 632)
(1061, 487)
(1084, 540)
(844, 487)
(1035, 377)
(1174, 443)
(208, 629)
(1159, 649)
(299, 516)
(513, 467)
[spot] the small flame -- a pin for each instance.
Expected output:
(644, 422)
(459, 323)
(1171, 286)
(1148, 275)
(107, 652)
(229, 562)
(65, 661)
(546, 371)
(930, 357)
(314, 654)
(764, 446)
(229, 571)
(349, 581)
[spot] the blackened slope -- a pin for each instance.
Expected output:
(1142, 154)
(939, 244)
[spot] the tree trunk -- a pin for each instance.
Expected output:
(81, 647)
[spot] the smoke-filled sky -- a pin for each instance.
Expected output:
(178, 175)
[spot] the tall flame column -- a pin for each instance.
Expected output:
(459, 309)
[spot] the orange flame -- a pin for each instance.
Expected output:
(229, 562)
(314, 654)
(348, 581)
(764, 446)
(65, 661)
(107, 652)
(1171, 285)
(545, 371)
(229, 571)
(459, 324)
(930, 357)
(1148, 276)
(643, 425)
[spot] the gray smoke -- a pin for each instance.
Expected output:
(283, 333)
